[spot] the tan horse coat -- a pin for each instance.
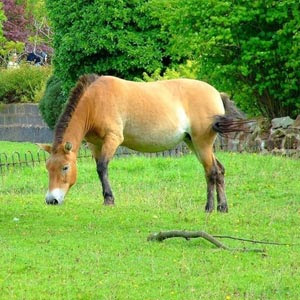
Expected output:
(148, 117)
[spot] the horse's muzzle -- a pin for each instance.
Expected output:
(54, 197)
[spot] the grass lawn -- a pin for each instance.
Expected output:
(83, 250)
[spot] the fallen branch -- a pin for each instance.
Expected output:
(252, 241)
(212, 239)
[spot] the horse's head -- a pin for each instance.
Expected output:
(61, 166)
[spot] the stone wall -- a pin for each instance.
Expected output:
(281, 136)
(23, 123)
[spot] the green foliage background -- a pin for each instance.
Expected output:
(106, 37)
(248, 49)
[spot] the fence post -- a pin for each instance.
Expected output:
(16, 153)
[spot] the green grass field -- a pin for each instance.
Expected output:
(83, 250)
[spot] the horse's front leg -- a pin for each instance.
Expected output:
(102, 170)
(108, 149)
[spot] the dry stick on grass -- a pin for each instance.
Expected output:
(196, 234)
(252, 241)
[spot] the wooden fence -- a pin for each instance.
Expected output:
(10, 161)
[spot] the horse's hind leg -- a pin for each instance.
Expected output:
(220, 186)
(103, 156)
(204, 152)
(214, 173)
(211, 172)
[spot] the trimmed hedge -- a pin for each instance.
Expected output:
(23, 84)
(107, 37)
(53, 101)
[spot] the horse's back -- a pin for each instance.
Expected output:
(155, 116)
(192, 95)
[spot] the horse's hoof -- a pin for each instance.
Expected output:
(109, 202)
(209, 209)
(223, 208)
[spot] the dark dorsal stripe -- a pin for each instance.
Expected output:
(75, 95)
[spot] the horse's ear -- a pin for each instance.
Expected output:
(45, 147)
(68, 147)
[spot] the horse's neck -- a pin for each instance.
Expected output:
(78, 127)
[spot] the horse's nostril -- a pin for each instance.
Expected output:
(52, 202)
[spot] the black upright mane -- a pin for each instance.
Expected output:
(75, 95)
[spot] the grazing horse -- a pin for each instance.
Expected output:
(108, 112)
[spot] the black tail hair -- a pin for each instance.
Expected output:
(233, 121)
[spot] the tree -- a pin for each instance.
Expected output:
(35, 8)
(106, 37)
(15, 24)
(248, 48)
(41, 35)
(26, 28)
(2, 19)
(7, 47)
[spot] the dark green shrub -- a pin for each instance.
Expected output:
(53, 101)
(23, 84)
(109, 37)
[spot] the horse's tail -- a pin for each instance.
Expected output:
(234, 120)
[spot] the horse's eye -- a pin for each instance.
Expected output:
(65, 168)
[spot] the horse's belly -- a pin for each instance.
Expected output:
(153, 141)
(159, 134)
